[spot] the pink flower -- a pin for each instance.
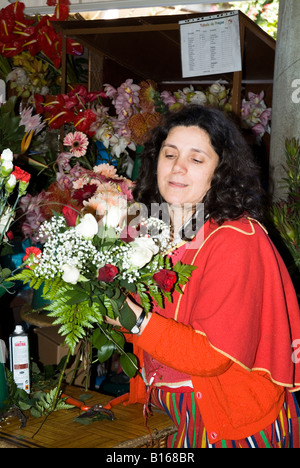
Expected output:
(168, 98)
(107, 170)
(78, 142)
(258, 130)
(31, 122)
(265, 116)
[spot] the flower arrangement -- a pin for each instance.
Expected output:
(34, 46)
(91, 261)
(77, 187)
(11, 177)
(120, 119)
(255, 114)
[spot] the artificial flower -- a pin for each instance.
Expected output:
(78, 143)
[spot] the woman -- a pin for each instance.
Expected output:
(219, 359)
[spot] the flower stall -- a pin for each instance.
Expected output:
(149, 48)
(77, 133)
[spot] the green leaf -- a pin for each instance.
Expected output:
(105, 352)
(75, 297)
(118, 338)
(127, 317)
(129, 364)
(35, 413)
(98, 339)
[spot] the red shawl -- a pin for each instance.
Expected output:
(242, 299)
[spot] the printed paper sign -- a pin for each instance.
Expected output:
(210, 45)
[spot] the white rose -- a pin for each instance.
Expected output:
(146, 242)
(140, 256)
(7, 155)
(71, 274)
(113, 216)
(88, 226)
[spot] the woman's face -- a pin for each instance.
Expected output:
(186, 165)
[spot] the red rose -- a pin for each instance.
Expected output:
(128, 234)
(165, 279)
(70, 215)
(107, 273)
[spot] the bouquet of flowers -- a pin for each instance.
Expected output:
(92, 260)
(10, 177)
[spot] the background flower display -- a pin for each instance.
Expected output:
(31, 49)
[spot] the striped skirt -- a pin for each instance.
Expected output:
(184, 412)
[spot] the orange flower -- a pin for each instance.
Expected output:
(141, 124)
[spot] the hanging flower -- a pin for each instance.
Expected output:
(78, 142)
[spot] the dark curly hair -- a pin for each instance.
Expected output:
(235, 187)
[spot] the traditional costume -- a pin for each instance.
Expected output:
(224, 351)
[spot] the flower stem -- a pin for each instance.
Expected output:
(61, 377)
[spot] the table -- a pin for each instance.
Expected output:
(60, 431)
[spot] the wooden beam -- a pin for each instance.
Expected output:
(120, 29)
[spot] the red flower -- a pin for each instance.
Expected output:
(84, 120)
(128, 234)
(10, 235)
(21, 175)
(165, 279)
(85, 193)
(70, 215)
(32, 251)
(74, 47)
(39, 100)
(107, 273)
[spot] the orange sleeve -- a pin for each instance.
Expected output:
(181, 347)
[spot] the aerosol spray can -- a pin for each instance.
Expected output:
(19, 358)
(3, 385)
